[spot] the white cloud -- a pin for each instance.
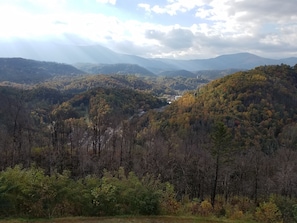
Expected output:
(173, 7)
(112, 2)
(49, 3)
(212, 27)
(175, 39)
(145, 6)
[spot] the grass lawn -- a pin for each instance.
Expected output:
(128, 219)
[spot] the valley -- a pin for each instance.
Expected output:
(147, 144)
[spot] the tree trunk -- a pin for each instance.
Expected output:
(215, 182)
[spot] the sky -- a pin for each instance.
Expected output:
(182, 29)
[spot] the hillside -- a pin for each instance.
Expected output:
(215, 74)
(79, 84)
(21, 70)
(160, 86)
(115, 69)
(113, 103)
(256, 104)
(177, 73)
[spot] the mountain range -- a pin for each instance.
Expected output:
(98, 55)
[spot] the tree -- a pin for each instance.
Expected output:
(221, 139)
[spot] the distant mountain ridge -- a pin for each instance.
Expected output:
(176, 73)
(115, 69)
(27, 71)
(97, 54)
(21, 70)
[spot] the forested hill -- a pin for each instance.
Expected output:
(176, 73)
(21, 70)
(122, 68)
(111, 105)
(258, 105)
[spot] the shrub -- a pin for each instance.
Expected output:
(118, 194)
(205, 208)
(105, 198)
(193, 207)
(237, 215)
(169, 205)
(31, 193)
(242, 203)
(286, 206)
(268, 212)
(294, 211)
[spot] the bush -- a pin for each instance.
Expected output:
(31, 193)
(21, 192)
(105, 199)
(205, 208)
(169, 205)
(119, 194)
(193, 207)
(294, 211)
(242, 203)
(286, 206)
(268, 212)
(236, 215)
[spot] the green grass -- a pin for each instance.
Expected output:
(126, 219)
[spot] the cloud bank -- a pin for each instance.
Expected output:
(174, 28)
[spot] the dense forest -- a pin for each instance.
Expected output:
(227, 147)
